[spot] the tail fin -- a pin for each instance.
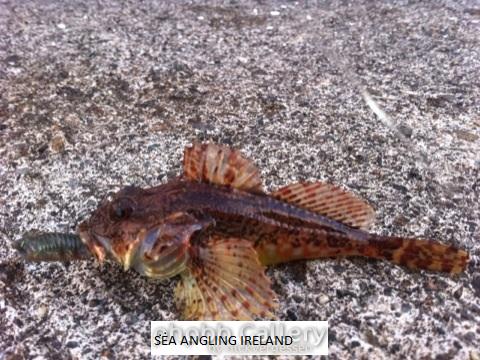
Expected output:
(417, 254)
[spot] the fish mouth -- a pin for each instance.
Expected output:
(144, 253)
(123, 254)
(102, 246)
(104, 242)
(89, 238)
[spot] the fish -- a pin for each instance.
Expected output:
(217, 229)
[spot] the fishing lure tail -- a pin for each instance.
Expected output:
(417, 253)
(52, 247)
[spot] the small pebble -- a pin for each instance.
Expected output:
(291, 315)
(57, 144)
(323, 299)
(42, 311)
(71, 344)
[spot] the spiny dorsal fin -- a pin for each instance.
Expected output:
(225, 281)
(216, 164)
(330, 201)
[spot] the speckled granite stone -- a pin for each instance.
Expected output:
(97, 95)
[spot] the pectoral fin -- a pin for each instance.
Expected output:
(330, 201)
(225, 281)
(220, 165)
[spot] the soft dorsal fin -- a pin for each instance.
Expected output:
(329, 200)
(216, 164)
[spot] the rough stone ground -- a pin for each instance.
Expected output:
(97, 95)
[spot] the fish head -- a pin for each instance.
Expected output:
(118, 226)
(135, 229)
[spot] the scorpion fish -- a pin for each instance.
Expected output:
(217, 229)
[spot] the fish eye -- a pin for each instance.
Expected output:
(122, 208)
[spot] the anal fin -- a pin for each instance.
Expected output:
(220, 165)
(330, 201)
(225, 281)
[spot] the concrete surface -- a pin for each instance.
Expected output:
(96, 95)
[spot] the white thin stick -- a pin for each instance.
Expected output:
(387, 121)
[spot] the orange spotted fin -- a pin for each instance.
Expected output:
(220, 165)
(330, 201)
(225, 281)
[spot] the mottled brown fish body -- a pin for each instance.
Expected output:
(283, 232)
(217, 228)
